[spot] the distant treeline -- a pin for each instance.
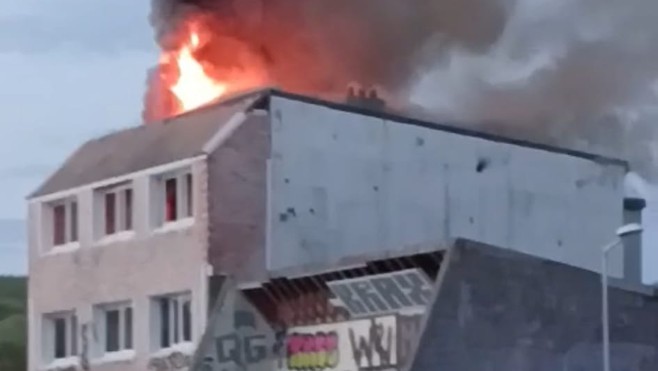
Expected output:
(13, 324)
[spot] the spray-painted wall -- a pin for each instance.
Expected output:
(344, 184)
(240, 338)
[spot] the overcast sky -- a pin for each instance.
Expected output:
(69, 70)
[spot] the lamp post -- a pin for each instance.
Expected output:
(626, 230)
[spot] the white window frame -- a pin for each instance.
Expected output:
(176, 325)
(185, 207)
(49, 337)
(120, 223)
(48, 226)
(100, 321)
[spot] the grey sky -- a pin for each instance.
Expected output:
(70, 70)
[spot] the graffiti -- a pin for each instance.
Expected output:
(174, 361)
(243, 318)
(376, 348)
(241, 350)
(409, 328)
(317, 351)
(383, 293)
(342, 346)
(84, 354)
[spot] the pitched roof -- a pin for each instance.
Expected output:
(143, 147)
(184, 136)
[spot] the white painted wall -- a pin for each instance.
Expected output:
(344, 184)
(151, 263)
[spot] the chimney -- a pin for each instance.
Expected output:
(365, 98)
(633, 244)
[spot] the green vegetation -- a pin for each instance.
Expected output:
(13, 325)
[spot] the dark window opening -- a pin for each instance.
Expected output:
(190, 204)
(171, 212)
(74, 336)
(110, 213)
(164, 323)
(59, 225)
(187, 321)
(128, 335)
(112, 331)
(176, 325)
(60, 338)
(128, 194)
(74, 222)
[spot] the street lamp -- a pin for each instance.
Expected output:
(626, 230)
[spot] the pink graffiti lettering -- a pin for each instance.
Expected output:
(312, 351)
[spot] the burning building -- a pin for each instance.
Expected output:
(290, 228)
(137, 236)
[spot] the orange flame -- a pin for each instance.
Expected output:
(193, 87)
(205, 67)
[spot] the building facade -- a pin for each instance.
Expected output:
(129, 238)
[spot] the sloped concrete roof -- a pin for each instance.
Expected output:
(145, 146)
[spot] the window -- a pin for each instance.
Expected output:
(114, 323)
(60, 336)
(116, 210)
(177, 197)
(173, 320)
(64, 219)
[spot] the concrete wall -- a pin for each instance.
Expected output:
(150, 263)
(500, 310)
(238, 337)
(346, 184)
(237, 201)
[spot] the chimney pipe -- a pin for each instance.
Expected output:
(359, 96)
(633, 244)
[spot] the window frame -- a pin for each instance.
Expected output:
(184, 194)
(71, 223)
(179, 329)
(125, 333)
(123, 195)
(50, 336)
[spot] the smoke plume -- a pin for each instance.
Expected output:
(577, 73)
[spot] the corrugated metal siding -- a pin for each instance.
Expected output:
(346, 184)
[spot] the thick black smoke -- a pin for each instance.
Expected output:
(318, 47)
(577, 73)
